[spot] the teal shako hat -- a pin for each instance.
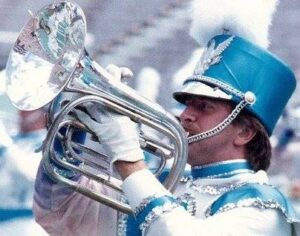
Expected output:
(233, 68)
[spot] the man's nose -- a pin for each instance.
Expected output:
(187, 116)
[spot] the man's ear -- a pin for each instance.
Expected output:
(244, 135)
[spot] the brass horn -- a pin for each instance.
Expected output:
(49, 57)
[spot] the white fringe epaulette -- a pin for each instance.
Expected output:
(249, 19)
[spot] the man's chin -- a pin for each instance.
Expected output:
(189, 161)
(191, 158)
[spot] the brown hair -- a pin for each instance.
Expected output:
(258, 150)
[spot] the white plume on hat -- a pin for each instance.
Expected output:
(249, 19)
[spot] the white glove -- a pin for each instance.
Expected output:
(119, 73)
(117, 133)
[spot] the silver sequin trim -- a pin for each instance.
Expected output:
(217, 83)
(219, 163)
(185, 179)
(197, 186)
(255, 202)
(225, 174)
(144, 203)
(189, 200)
(156, 213)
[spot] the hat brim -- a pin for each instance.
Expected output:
(197, 88)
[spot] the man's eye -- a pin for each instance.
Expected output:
(201, 106)
(188, 102)
(204, 106)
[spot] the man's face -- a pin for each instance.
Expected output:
(203, 114)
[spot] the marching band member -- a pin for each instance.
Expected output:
(233, 100)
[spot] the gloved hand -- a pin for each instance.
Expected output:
(117, 133)
(119, 73)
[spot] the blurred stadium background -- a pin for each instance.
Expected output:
(151, 38)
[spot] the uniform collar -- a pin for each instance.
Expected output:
(222, 169)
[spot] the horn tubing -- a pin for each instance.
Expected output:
(48, 149)
(126, 101)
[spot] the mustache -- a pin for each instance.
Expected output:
(190, 132)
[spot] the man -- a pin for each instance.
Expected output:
(234, 159)
(231, 109)
(229, 184)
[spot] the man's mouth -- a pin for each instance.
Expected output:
(190, 133)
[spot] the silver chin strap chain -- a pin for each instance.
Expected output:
(216, 130)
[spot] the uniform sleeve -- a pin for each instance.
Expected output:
(60, 211)
(176, 221)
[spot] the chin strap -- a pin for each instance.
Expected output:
(248, 99)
